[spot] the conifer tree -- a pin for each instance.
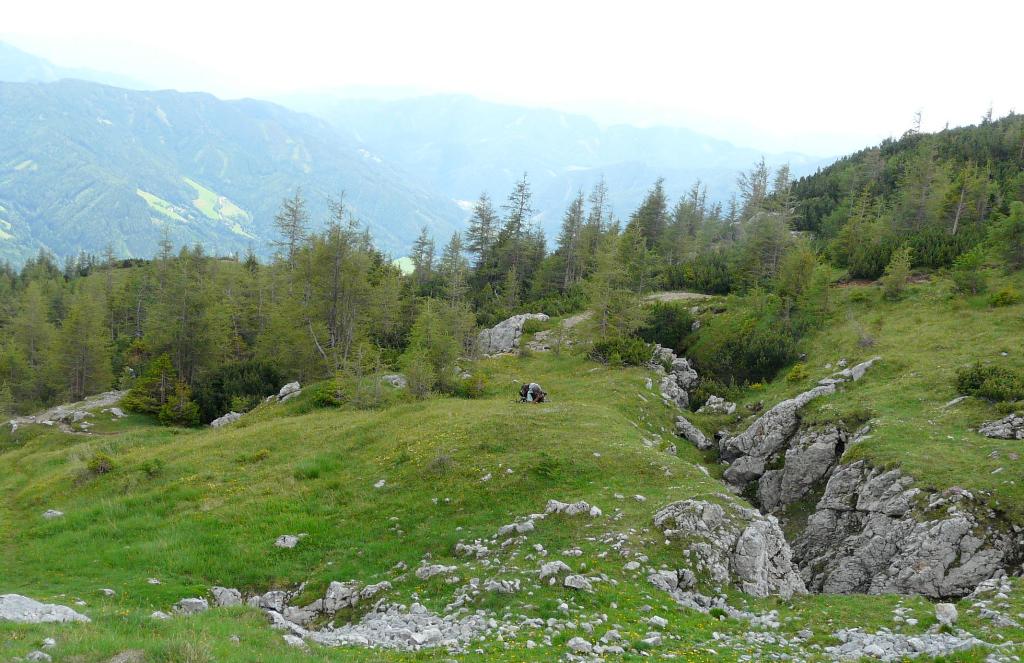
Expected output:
(82, 352)
(569, 242)
(483, 229)
(292, 222)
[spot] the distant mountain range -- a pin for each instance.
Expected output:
(462, 146)
(84, 164)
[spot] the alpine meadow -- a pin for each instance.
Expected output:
(413, 345)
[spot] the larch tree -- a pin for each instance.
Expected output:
(292, 223)
(569, 242)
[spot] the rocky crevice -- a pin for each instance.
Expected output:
(871, 531)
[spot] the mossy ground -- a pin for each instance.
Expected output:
(201, 508)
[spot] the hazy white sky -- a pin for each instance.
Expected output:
(820, 77)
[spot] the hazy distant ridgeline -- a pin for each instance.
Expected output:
(462, 146)
(83, 164)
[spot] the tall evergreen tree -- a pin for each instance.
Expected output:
(292, 223)
(82, 352)
(569, 242)
(483, 229)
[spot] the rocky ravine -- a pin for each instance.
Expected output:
(871, 531)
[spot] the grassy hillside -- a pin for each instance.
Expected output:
(201, 508)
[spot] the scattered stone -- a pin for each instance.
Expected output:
(23, 610)
(38, 656)
(554, 568)
(191, 606)
(717, 405)
(225, 597)
(429, 571)
(577, 582)
(686, 430)
(159, 614)
(106, 591)
(294, 641)
(396, 380)
(50, 514)
(580, 646)
(287, 541)
(129, 656)
(945, 613)
(1008, 428)
(229, 418)
(289, 391)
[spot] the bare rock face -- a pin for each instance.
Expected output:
(23, 610)
(717, 405)
(772, 429)
(870, 535)
(504, 336)
(1007, 428)
(680, 379)
(734, 545)
(809, 460)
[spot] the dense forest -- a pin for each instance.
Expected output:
(194, 336)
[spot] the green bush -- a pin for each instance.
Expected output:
(993, 383)
(326, 394)
(669, 324)
(622, 351)
(1008, 296)
(180, 409)
(894, 280)
(100, 463)
(798, 373)
(709, 386)
(743, 347)
(152, 468)
(236, 387)
(968, 276)
(473, 386)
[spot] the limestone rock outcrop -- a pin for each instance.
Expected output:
(505, 336)
(733, 545)
(870, 534)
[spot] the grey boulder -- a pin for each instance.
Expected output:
(23, 610)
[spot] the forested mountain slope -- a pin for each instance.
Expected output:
(83, 165)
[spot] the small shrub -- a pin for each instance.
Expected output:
(993, 383)
(1008, 296)
(968, 276)
(327, 394)
(442, 464)
(710, 386)
(253, 458)
(717, 613)
(894, 280)
(547, 467)
(473, 386)
(622, 351)
(99, 464)
(180, 409)
(798, 373)
(419, 374)
(152, 468)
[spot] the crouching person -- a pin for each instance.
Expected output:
(532, 393)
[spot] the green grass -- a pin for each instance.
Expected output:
(160, 205)
(203, 507)
(214, 206)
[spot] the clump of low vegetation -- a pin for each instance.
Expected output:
(990, 382)
(1007, 296)
(100, 463)
(621, 351)
(668, 324)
